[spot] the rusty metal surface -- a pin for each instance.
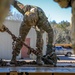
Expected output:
(38, 69)
(31, 63)
(4, 70)
(62, 67)
(47, 69)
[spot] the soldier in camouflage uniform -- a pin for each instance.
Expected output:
(66, 4)
(33, 16)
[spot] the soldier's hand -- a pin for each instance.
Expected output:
(3, 29)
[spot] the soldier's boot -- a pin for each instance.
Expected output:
(51, 52)
(50, 60)
(13, 60)
(54, 58)
(15, 53)
(38, 60)
(46, 60)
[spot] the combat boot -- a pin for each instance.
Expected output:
(13, 60)
(51, 55)
(38, 60)
(50, 59)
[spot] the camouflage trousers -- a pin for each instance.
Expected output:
(24, 29)
(39, 45)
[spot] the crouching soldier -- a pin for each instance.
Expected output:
(33, 16)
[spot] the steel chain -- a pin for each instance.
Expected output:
(15, 39)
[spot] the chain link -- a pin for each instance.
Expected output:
(13, 44)
(15, 40)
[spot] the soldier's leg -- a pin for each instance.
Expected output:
(24, 29)
(39, 45)
(47, 27)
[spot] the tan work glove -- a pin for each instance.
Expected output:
(3, 29)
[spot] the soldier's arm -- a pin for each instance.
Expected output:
(19, 6)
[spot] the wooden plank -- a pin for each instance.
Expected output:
(3, 73)
(64, 73)
(13, 73)
(24, 74)
(40, 73)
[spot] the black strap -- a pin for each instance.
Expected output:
(26, 73)
(8, 74)
(69, 4)
(52, 73)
